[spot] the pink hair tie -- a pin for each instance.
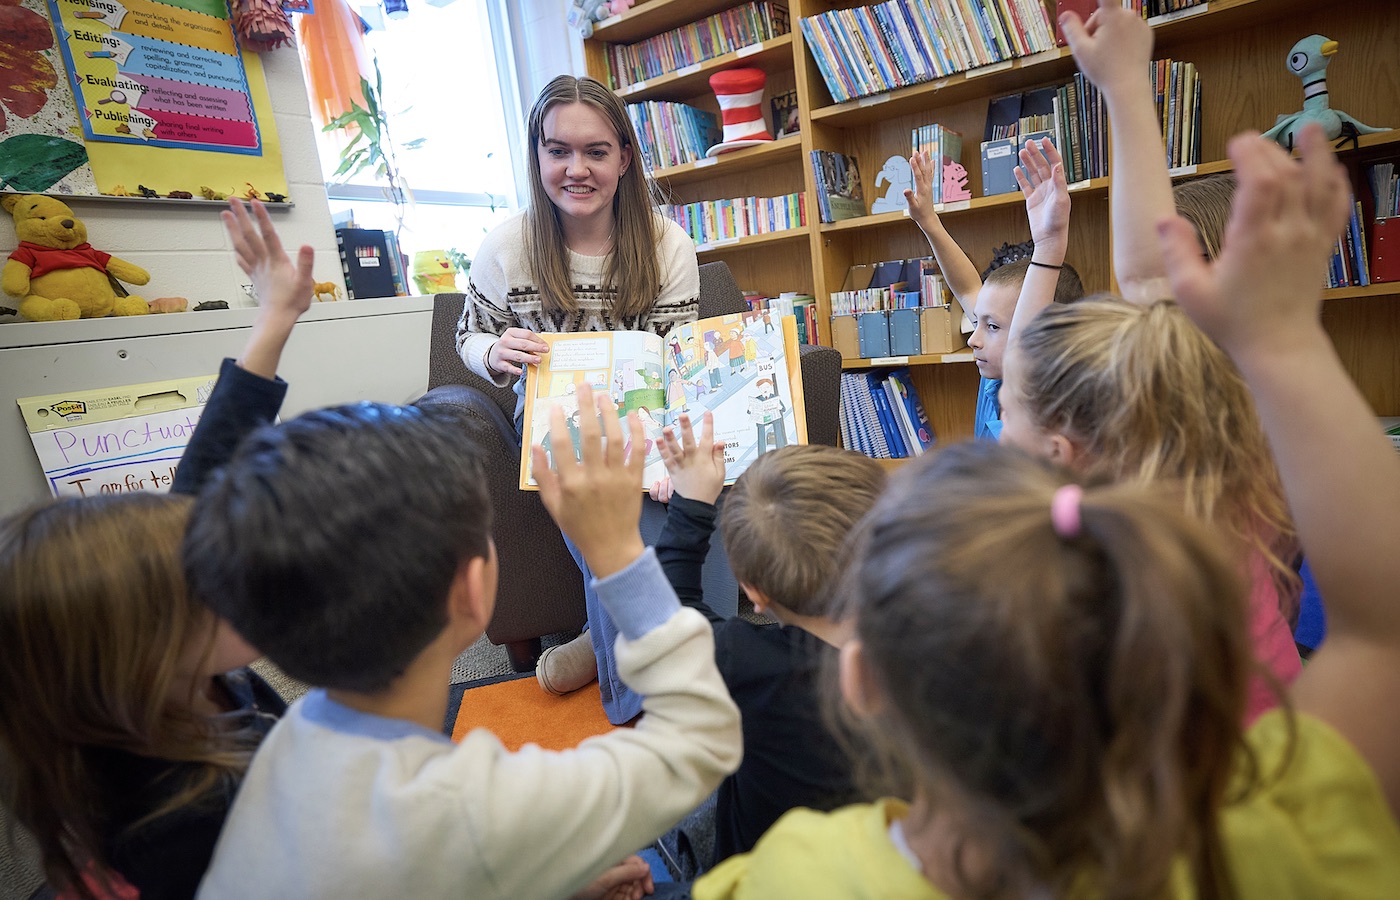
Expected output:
(1064, 510)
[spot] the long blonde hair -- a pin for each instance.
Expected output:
(95, 618)
(632, 269)
(1151, 398)
(1071, 701)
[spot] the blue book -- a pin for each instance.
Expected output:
(912, 410)
(893, 440)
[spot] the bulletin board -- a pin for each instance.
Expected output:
(114, 96)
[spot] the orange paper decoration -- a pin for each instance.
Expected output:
(334, 58)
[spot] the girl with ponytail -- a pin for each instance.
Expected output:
(1054, 677)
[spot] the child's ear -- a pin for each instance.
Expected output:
(760, 600)
(1063, 451)
(626, 160)
(858, 688)
(472, 598)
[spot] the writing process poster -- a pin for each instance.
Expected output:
(115, 440)
(167, 74)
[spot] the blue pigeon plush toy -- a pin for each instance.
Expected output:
(1308, 60)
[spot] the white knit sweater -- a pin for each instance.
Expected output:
(340, 803)
(502, 294)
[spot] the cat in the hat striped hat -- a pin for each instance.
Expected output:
(740, 95)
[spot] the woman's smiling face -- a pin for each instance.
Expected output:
(581, 161)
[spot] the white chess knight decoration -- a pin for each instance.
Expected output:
(901, 178)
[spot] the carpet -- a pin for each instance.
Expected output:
(516, 710)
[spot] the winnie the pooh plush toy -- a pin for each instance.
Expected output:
(55, 273)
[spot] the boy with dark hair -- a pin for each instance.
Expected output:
(352, 545)
(1014, 293)
(784, 523)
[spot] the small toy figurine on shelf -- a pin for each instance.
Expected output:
(320, 289)
(148, 193)
(583, 13)
(1308, 60)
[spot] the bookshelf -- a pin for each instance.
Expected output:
(1238, 46)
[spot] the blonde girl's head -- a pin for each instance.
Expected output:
(1205, 203)
(1066, 699)
(1139, 393)
(632, 268)
(99, 635)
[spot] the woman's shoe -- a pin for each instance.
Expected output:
(565, 668)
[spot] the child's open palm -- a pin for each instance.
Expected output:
(1267, 282)
(280, 284)
(920, 196)
(597, 499)
(695, 464)
(1041, 176)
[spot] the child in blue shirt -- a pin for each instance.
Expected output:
(1012, 294)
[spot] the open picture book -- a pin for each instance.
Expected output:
(743, 368)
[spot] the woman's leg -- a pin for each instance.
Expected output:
(620, 703)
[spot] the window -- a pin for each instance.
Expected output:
(446, 89)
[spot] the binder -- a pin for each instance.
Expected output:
(874, 331)
(905, 337)
(364, 258)
(1385, 250)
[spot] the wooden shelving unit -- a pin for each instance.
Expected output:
(1238, 46)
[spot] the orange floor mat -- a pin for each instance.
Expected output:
(519, 713)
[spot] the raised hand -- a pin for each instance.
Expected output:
(1112, 48)
(514, 350)
(1266, 286)
(1041, 176)
(280, 284)
(920, 197)
(696, 464)
(597, 499)
(283, 287)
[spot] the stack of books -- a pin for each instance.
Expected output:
(1349, 263)
(1072, 114)
(801, 306)
(1153, 8)
(944, 148)
(1177, 87)
(839, 192)
(876, 48)
(672, 134)
(716, 35)
(882, 415)
(712, 221)
(899, 307)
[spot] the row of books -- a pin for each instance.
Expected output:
(672, 133)
(1349, 266)
(944, 149)
(883, 46)
(891, 284)
(882, 416)
(840, 194)
(1074, 115)
(1151, 8)
(803, 307)
(1177, 87)
(716, 35)
(371, 262)
(709, 221)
